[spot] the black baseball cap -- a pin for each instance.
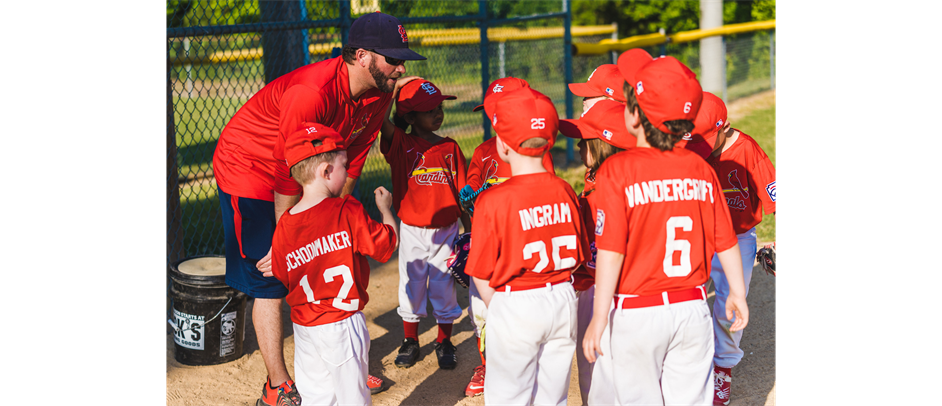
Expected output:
(383, 34)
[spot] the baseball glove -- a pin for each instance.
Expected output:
(766, 258)
(459, 257)
(467, 196)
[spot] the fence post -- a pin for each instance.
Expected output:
(772, 58)
(485, 68)
(567, 60)
(614, 38)
(175, 249)
(712, 55)
(281, 50)
(345, 20)
(305, 43)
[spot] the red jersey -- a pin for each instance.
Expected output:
(249, 160)
(526, 233)
(320, 256)
(584, 276)
(486, 165)
(665, 212)
(426, 178)
(748, 182)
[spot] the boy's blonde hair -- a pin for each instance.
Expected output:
(305, 171)
(534, 142)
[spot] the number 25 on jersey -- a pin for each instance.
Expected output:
(559, 263)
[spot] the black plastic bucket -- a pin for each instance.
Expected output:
(208, 316)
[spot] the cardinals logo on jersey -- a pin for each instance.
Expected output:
(364, 121)
(737, 202)
(428, 176)
(490, 175)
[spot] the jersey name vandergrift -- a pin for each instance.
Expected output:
(526, 233)
(487, 167)
(665, 212)
(426, 179)
(320, 256)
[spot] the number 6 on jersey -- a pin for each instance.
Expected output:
(685, 223)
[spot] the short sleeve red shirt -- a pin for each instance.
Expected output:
(664, 211)
(487, 167)
(249, 159)
(426, 178)
(747, 177)
(320, 256)
(527, 233)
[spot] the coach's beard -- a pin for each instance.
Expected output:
(382, 81)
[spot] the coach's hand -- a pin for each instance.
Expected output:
(264, 264)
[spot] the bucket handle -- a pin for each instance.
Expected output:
(178, 330)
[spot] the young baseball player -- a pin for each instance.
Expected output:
(527, 239)
(427, 172)
(747, 179)
(659, 220)
(604, 83)
(319, 249)
(486, 168)
(601, 133)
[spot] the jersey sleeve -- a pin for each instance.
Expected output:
(611, 219)
(762, 176)
(299, 104)
(474, 176)
(484, 244)
(370, 237)
(394, 149)
(724, 234)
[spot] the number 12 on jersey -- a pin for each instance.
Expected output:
(346, 277)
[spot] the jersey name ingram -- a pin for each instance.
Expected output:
(323, 245)
(545, 215)
(668, 190)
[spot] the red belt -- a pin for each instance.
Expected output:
(508, 288)
(697, 293)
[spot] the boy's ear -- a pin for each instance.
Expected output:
(323, 170)
(632, 120)
(409, 117)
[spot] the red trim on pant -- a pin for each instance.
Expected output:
(237, 222)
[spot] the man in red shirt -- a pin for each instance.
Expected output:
(349, 94)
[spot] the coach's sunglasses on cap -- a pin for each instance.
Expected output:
(390, 60)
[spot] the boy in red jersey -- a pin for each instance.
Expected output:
(427, 173)
(319, 251)
(661, 216)
(602, 134)
(527, 239)
(348, 93)
(486, 168)
(747, 178)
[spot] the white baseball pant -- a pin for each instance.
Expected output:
(728, 354)
(330, 362)
(423, 275)
(662, 355)
(477, 310)
(531, 336)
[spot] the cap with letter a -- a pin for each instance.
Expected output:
(501, 86)
(300, 144)
(523, 114)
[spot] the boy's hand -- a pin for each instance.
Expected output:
(400, 83)
(383, 198)
(264, 264)
(592, 342)
(736, 305)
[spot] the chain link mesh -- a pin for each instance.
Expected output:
(211, 76)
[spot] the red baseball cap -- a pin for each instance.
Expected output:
(522, 114)
(299, 145)
(500, 86)
(696, 144)
(711, 117)
(632, 59)
(419, 95)
(605, 80)
(666, 89)
(604, 120)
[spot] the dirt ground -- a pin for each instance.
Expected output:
(239, 382)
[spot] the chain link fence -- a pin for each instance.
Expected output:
(215, 63)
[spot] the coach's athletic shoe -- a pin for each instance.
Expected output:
(445, 351)
(722, 380)
(476, 387)
(285, 394)
(408, 353)
(375, 384)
